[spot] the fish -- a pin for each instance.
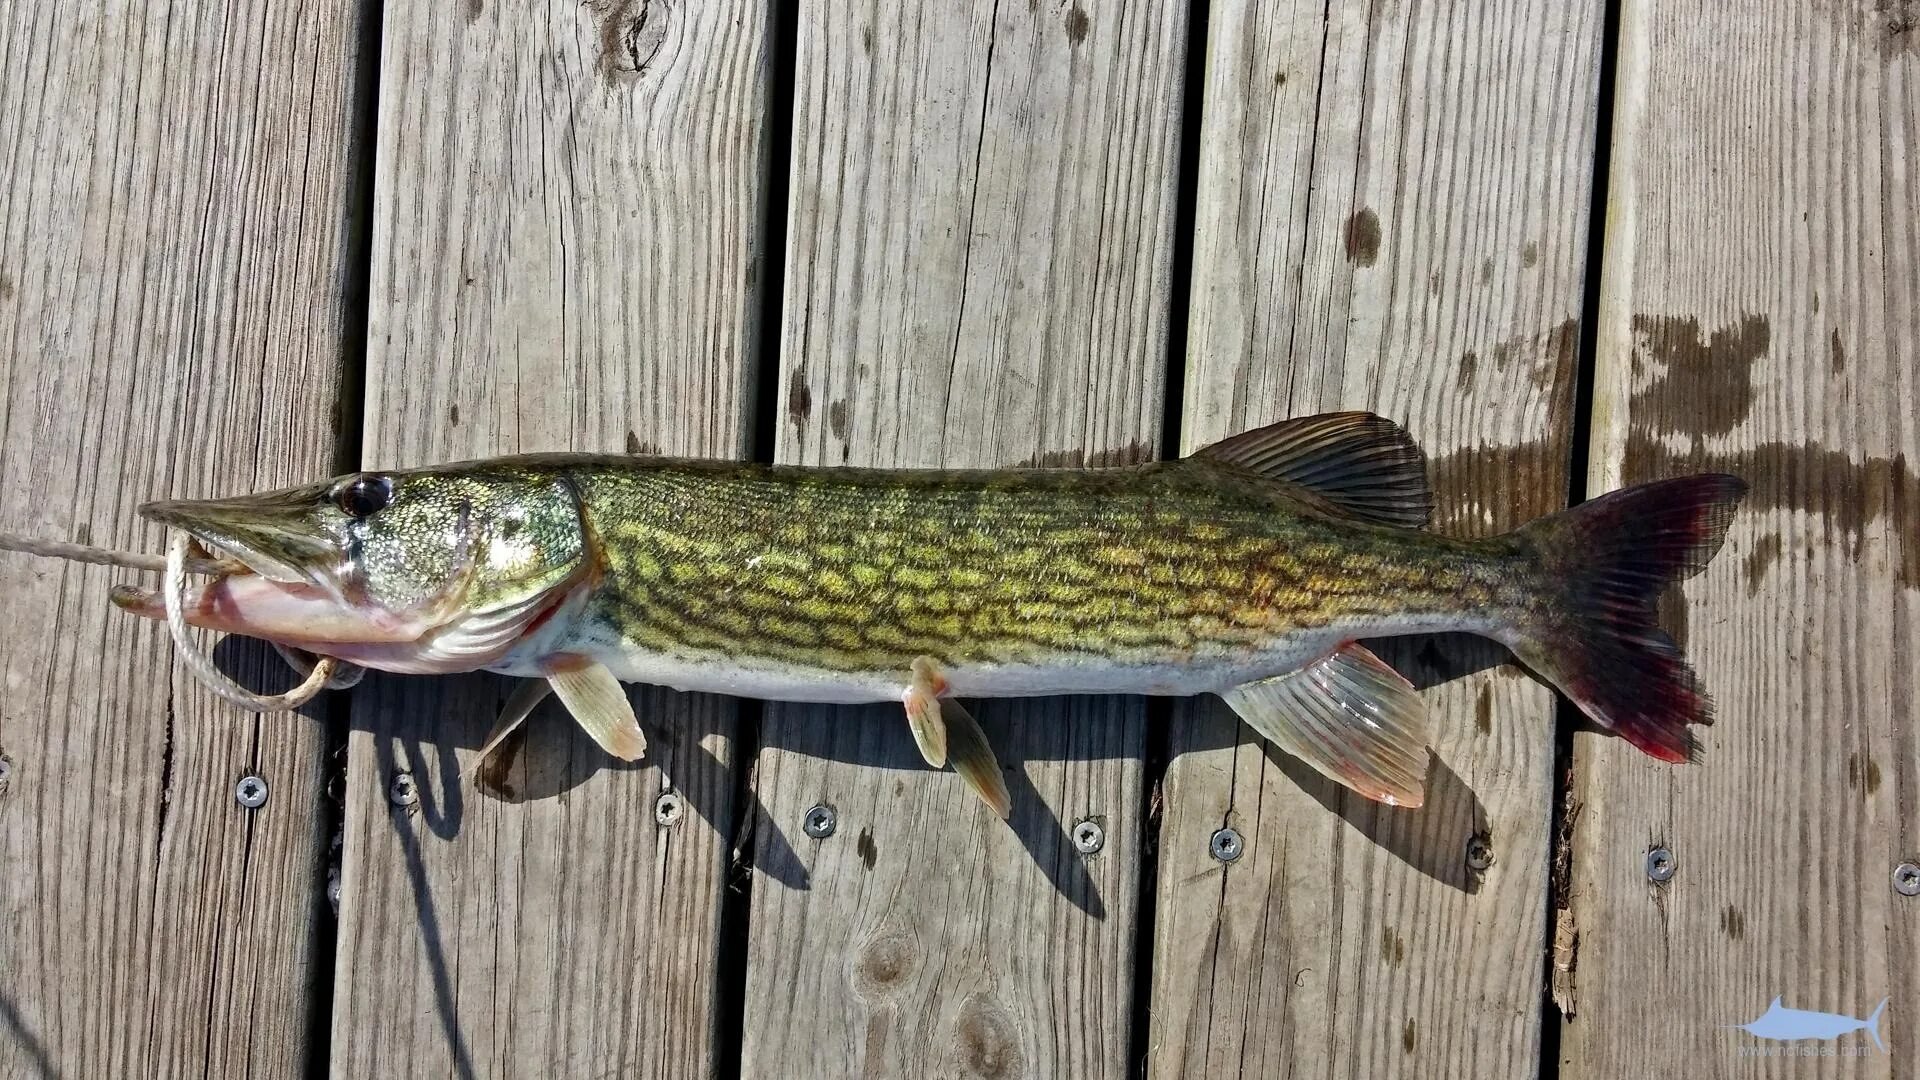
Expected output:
(1783, 1024)
(1252, 569)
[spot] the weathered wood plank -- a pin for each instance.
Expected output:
(567, 237)
(981, 239)
(1391, 215)
(172, 314)
(1762, 270)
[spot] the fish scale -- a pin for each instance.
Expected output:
(865, 570)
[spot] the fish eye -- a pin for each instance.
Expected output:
(364, 496)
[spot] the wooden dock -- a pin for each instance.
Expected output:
(1571, 246)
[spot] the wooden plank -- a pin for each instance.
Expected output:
(1391, 215)
(981, 241)
(567, 238)
(173, 271)
(1762, 268)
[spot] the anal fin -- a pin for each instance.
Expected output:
(1351, 717)
(599, 705)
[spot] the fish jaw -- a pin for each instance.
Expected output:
(290, 613)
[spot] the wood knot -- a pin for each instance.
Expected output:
(884, 963)
(988, 1043)
(631, 35)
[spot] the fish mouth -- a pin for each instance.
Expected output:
(270, 534)
(286, 580)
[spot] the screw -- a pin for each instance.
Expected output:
(1479, 851)
(667, 808)
(820, 821)
(1906, 879)
(401, 791)
(6, 772)
(1661, 865)
(1226, 845)
(1089, 837)
(250, 792)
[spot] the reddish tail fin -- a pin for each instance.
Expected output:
(1605, 562)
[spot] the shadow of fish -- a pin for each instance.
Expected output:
(1783, 1024)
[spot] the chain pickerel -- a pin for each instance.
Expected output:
(1250, 569)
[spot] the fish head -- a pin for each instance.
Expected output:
(439, 569)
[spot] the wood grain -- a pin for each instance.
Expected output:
(173, 268)
(1391, 215)
(981, 238)
(569, 208)
(1762, 270)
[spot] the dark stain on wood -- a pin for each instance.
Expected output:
(1732, 923)
(1486, 271)
(1484, 491)
(1483, 710)
(1863, 774)
(866, 40)
(988, 1044)
(1704, 385)
(1077, 24)
(1469, 365)
(475, 9)
(1279, 78)
(1530, 255)
(6, 287)
(799, 398)
(867, 851)
(1407, 1040)
(837, 419)
(1393, 948)
(453, 415)
(1836, 353)
(1114, 457)
(1363, 237)
(1846, 494)
(1765, 552)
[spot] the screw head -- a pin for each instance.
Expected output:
(1479, 851)
(1089, 836)
(820, 821)
(1226, 845)
(401, 791)
(1906, 879)
(668, 808)
(250, 792)
(6, 772)
(1661, 865)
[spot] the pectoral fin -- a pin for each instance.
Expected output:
(1351, 717)
(973, 759)
(599, 704)
(922, 700)
(526, 696)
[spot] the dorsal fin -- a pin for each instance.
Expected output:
(1361, 466)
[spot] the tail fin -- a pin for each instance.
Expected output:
(1595, 638)
(1873, 1024)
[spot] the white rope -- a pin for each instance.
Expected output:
(60, 549)
(173, 588)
